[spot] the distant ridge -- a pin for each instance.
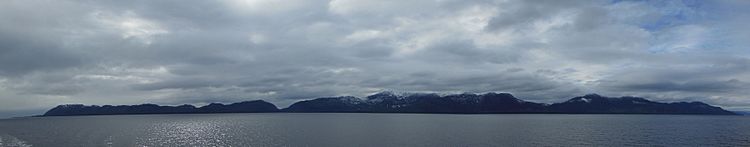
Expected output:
(241, 107)
(743, 112)
(389, 102)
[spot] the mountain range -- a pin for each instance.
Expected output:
(390, 102)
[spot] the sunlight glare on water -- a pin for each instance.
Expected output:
(187, 133)
(10, 141)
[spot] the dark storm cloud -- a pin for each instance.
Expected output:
(686, 86)
(173, 52)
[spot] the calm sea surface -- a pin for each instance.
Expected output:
(321, 129)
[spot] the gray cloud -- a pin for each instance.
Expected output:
(522, 14)
(687, 86)
(174, 52)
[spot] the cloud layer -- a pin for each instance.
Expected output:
(173, 52)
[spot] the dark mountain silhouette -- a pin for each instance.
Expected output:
(331, 104)
(389, 102)
(241, 107)
(593, 103)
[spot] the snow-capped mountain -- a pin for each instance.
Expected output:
(390, 102)
(594, 103)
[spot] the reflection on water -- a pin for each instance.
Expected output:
(187, 133)
(281, 129)
(10, 141)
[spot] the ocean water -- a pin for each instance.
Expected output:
(349, 129)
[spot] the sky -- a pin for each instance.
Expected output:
(173, 52)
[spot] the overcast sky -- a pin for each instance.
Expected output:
(173, 52)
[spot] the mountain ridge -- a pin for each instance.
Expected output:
(389, 102)
(240, 107)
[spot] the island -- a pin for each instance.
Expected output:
(390, 102)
